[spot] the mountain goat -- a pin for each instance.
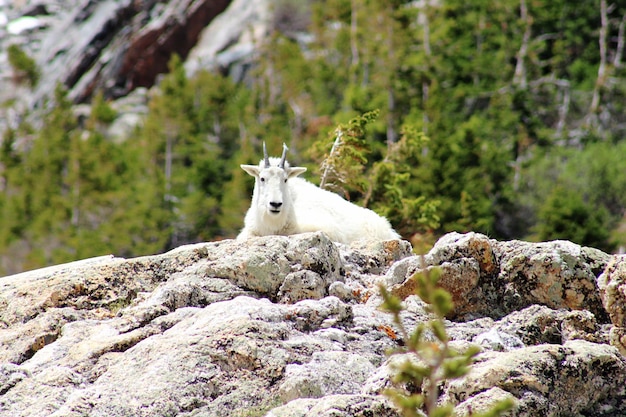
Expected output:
(283, 204)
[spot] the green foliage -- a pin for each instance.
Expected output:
(189, 134)
(24, 66)
(72, 193)
(393, 190)
(102, 111)
(343, 166)
(575, 194)
(384, 185)
(565, 215)
(429, 360)
(452, 116)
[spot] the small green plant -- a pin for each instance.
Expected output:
(24, 66)
(431, 360)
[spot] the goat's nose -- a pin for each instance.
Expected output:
(275, 204)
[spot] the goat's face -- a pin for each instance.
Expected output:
(271, 192)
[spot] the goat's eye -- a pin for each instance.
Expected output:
(285, 179)
(262, 179)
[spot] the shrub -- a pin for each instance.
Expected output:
(24, 66)
(416, 382)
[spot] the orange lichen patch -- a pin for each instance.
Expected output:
(361, 295)
(389, 331)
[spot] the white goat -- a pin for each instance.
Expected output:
(283, 204)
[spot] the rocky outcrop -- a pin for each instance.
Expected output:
(489, 278)
(229, 44)
(112, 45)
(291, 326)
(612, 285)
(120, 47)
(117, 46)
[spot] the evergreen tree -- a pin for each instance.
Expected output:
(46, 180)
(565, 215)
(24, 67)
(484, 106)
(11, 203)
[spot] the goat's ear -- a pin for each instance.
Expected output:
(295, 171)
(251, 169)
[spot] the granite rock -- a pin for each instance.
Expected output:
(292, 326)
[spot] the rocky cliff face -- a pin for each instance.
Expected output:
(120, 46)
(291, 326)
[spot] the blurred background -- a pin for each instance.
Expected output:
(123, 123)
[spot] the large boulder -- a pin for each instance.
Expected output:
(558, 274)
(612, 285)
(491, 278)
(292, 326)
(549, 380)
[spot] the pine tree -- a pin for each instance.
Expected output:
(24, 67)
(565, 215)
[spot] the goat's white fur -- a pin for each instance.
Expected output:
(283, 204)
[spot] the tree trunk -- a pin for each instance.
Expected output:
(392, 136)
(519, 77)
(424, 20)
(617, 60)
(592, 117)
(354, 46)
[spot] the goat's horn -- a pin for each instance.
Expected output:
(282, 158)
(267, 158)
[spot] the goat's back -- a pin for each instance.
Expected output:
(320, 210)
